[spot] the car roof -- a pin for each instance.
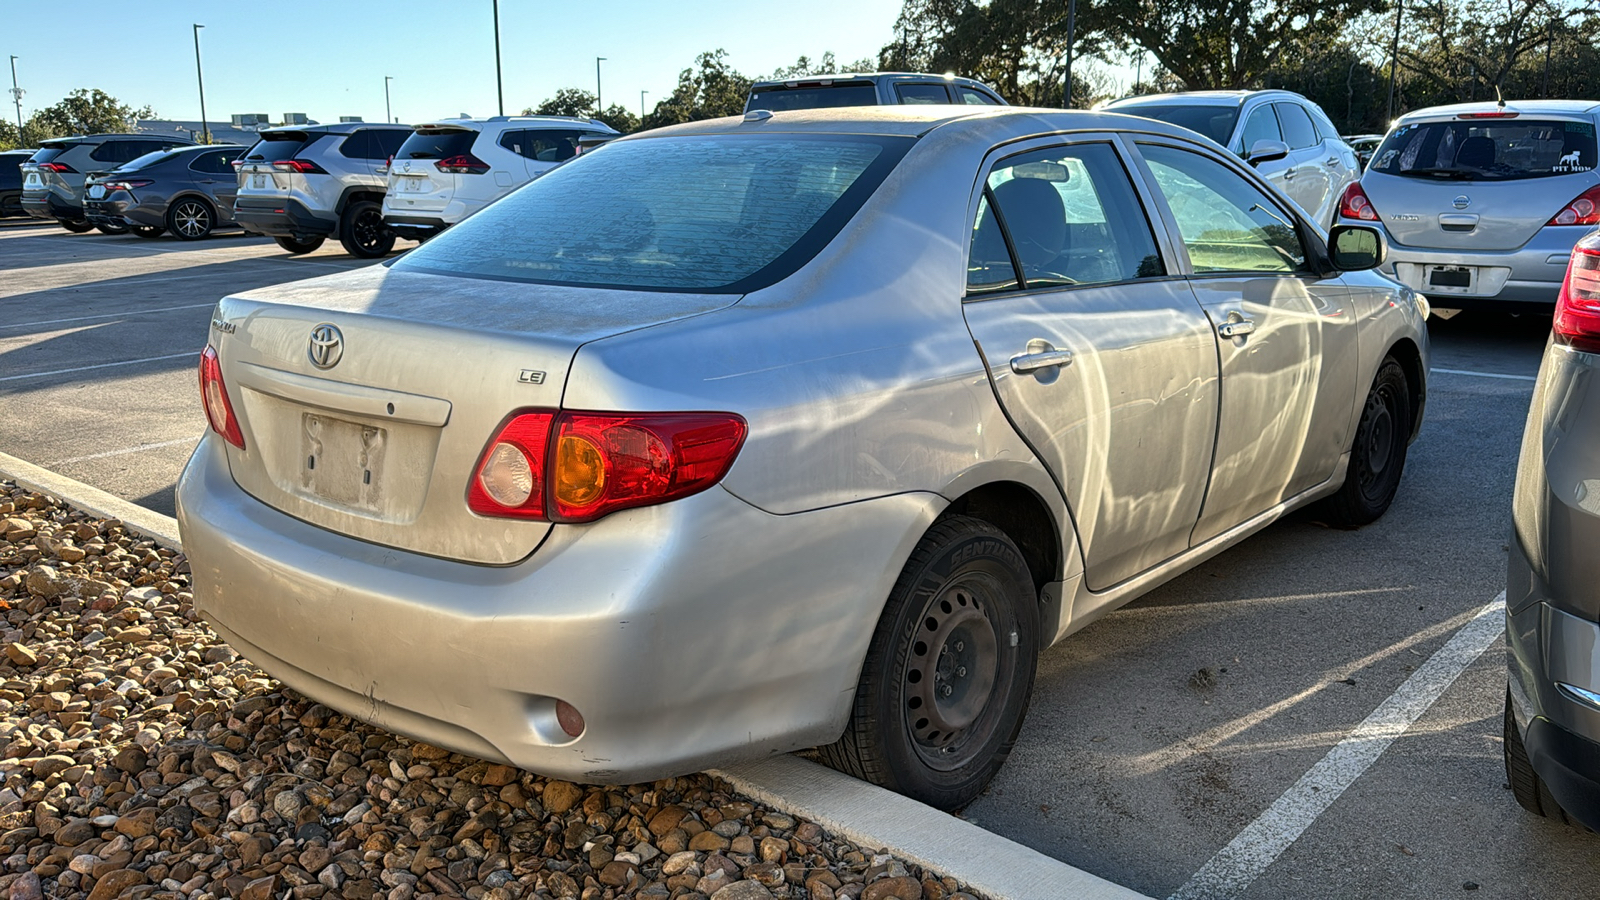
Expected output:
(1002, 122)
(331, 128)
(86, 138)
(867, 76)
(1557, 107)
(1199, 98)
(524, 121)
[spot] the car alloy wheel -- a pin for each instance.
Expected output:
(191, 220)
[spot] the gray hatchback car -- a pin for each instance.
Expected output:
(1552, 717)
(1482, 202)
(753, 434)
(187, 191)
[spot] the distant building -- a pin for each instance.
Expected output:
(240, 128)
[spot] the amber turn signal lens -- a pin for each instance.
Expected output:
(580, 471)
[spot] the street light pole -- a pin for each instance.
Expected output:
(641, 103)
(597, 104)
(200, 77)
(16, 95)
(387, 115)
(1394, 59)
(499, 84)
(1072, 23)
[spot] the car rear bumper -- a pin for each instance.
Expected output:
(109, 211)
(676, 665)
(284, 217)
(45, 205)
(415, 227)
(1530, 274)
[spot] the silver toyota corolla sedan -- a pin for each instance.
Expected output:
(1482, 203)
(796, 429)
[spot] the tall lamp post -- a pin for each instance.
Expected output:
(597, 104)
(1066, 82)
(387, 115)
(499, 84)
(641, 103)
(205, 129)
(16, 95)
(1394, 58)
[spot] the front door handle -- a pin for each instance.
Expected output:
(1288, 173)
(1041, 359)
(1331, 161)
(1236, 327)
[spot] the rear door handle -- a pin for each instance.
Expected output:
(1331, 161)
(1236, 327)
(1033, 362)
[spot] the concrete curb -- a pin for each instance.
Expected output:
(870, 816)
(161, 529)
(866, 814)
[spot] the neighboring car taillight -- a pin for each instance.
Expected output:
(1583, 210)
(462, 164)
(1353, 204)
(214, 395)
(59, 168)
(127, 185)
(1577, 319)
(580, 466)
(303, 166)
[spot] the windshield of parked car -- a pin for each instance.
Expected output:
(436, 144)
(1215, 122)
(716, 213)
(1487, 149)
(813, 96)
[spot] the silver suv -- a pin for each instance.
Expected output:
(301, 185)
(870, 89)
(52, 179)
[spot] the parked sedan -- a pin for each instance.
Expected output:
(1286, 137)
(1552, 717)
(11, 182)
(810, 428)
(188, 191)
(1482, 202)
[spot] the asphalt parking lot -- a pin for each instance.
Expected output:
(1171, 738)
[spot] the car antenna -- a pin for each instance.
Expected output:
(1499, 100)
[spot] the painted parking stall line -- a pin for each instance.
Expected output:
(111, 365)
(125, 451)
(1483, 374)
(1231, 871)
(129, 313)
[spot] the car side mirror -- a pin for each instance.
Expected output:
(1266, 151)
(1354, 248)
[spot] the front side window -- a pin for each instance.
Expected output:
(1298, 132)
(542, 144)
(1497, 149)
(1262, 125)
(1227, 224)
(974, 97)
(922, 93)
(721, 213)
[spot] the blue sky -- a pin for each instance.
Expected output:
(328, 59)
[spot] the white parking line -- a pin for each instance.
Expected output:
(1484, 374)
(116, 315)
(1235, 866)
(126, 362)
(124, 451)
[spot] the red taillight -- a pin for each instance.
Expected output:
(127, 185)
(57, 167)
(303, 166)
(214, 395)
(1584, 210)
(462, 164)
(580, 466)
(1577, 319)
(1353, 204)
(236, 164)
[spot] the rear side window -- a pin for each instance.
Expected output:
(1298, 132)
(357, 145)
(814, 96)
(214, 162)
(974, 98)
(1072, 217)
(387, 142)
(283, 145)
(1487, 149)
(436, 144)
(922, 93)
(724, 213)
(542, 144)
(125, 151)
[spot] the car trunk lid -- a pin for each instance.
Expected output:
(380, 441)
(258, 178)
(1470, 215)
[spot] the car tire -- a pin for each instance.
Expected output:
(1378, 453)
(363, 232)
(111, 229)
(76, 227)
(298, 247)
(191, 219)
(148, 231)
(949, 670)
(1526, 785)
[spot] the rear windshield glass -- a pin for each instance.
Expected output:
(436, 144)
(149, 159)
(815, 96)
(1215, 122)
(277, 146)
(46, 154)
(728, 214)
(1487, 149)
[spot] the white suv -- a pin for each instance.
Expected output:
(452, 168)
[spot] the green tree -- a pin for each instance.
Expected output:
(566, 102)
(619, 117)
(710, 89)
(84, 111)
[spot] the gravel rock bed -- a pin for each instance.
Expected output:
(141, 758)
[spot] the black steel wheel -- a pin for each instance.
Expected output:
(191, 219)
(1378, 454)
(948, 673)
(363, 232)
(148, 231)
(297, 246)
(76, 226)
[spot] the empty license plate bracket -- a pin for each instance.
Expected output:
(342, 461)
(1463, 279)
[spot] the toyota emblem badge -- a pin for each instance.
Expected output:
(327, 346)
